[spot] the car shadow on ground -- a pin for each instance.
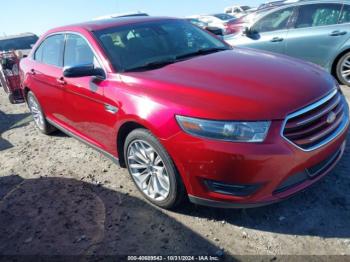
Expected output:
(11, 121)
(322, 210)
(58, 216)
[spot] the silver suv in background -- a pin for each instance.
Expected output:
(315, 31)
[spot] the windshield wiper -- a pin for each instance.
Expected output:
(203, 51)
(171, 60)
(153, 64)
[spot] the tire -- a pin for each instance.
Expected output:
(38, 115)
(343, 65)
(162, 185)
(11, 99)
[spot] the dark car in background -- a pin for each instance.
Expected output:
(240, 24)
(12, 49)
(222, 21)
(203, 25)
(22, 42)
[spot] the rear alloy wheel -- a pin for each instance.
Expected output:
(38, 115)
(343, 69)
(152, 170)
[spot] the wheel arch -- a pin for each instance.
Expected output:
(336, 60)
(26, 90)
(124, 130)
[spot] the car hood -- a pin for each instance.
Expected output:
(236, 84)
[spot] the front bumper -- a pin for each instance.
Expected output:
(269, 164)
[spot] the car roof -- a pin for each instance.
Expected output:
(284, 3)
(117, 15)
(269, 10)
(303, 2)
(102, 24)
(219, 14)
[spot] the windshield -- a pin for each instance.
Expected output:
(137, 45)
(245, 8)
(20, 43)
(224, 17)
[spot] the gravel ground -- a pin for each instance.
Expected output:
(57, 196)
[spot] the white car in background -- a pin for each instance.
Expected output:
(239, 10)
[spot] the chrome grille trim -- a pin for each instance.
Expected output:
(335, 134)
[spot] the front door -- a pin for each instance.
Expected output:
(87, 114)
(269, 33)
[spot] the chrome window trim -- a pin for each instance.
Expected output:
(335, 134)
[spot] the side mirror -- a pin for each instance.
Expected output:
(83, 70)
(248, 31)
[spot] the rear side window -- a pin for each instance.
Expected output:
(275, 21)
(50, 51)
(345, 16)
(78, 51)
(318, 15)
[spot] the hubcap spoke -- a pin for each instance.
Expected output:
(164, 182)
(138, 166)
(157, 160)
(345, 69)
(148, 171)
(36, 113)
(142, 177)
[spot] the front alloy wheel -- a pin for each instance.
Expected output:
(148, 170)
(152, 169)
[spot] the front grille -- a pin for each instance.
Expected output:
(318, 123)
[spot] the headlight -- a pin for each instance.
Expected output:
(224, 130)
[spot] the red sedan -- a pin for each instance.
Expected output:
(185, 113)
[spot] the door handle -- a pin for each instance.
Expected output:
(61, 81)
(338, 33)
(277, 39)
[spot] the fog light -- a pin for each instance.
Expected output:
(231, 189)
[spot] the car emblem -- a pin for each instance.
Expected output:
(331, 118)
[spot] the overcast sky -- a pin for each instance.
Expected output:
(38, 16)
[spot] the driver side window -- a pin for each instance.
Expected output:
(78, 52)
(275, 21)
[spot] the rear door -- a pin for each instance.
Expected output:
(316, 33)
(87, 112)
(46, 71)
